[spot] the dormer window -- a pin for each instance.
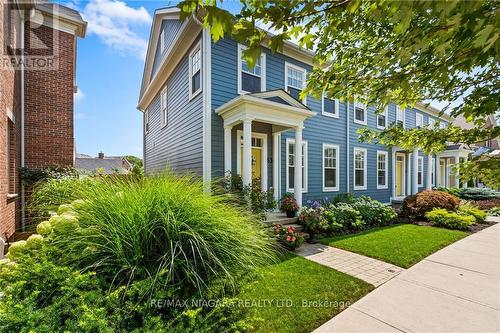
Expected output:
(195, 71)
(360, 113)
(295, 80)
(251, 80)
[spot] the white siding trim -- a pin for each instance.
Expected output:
(365, 166)
(337, 164)
(163, 106)
(305, 178)
(206, 84)
(386, 154)
(419, 119)
(403, 115)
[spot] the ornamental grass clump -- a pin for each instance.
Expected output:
(163, 231)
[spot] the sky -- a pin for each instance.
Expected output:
(110, 62)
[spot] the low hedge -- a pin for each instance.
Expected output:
(442, 218)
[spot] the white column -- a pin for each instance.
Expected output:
(276, 168)
(247, 152)
(414, 184)
(447, 172)
(438, 171)
(298, 166)
(227, 149)
(393, 172)
(408, 174)
(457, 181)
(428, 184)
(465, 182)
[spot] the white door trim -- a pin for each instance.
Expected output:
(263, 170)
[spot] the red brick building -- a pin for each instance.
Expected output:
(37, 82)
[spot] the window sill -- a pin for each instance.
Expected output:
(194, 94)
(331, 115)
(385, 187)
(11, 196)
(381, 127)
(359, 188)
(330, 189)
(359, 122)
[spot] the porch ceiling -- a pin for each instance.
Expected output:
(263, 107)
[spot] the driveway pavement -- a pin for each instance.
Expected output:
(456, 289)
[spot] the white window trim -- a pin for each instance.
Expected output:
(442, 124)
(420, 162)
(146, 121)
(432, 122)
(163, 108)
(363, 106)
(419, 118)
(193, 94)
(162, 41)
(386, 154)
(262, 76)
(403, 113)
(304, 180)
(298, 68)
(386, 114)
(336, 147)
(328, 114)
(365, 166)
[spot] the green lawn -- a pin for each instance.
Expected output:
(403, 245)
(296, 281)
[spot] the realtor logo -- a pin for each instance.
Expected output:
(34, 43)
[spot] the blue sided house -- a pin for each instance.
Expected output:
(206, 111)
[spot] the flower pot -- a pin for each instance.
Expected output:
(290, 213)
(312, 238)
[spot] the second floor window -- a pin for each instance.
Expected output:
(295, 80)
(359, 113)
(146, 121)
(195, 71)
(251, 80)
(382, 119)
(400, 116)
(330, 107)
(419, 120)
(164, 107)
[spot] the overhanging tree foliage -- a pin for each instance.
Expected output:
(383, 51)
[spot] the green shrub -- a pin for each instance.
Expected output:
(442, 218)
(347, 216)
(453, 190)
(470, 210)
(416, 206)
(331, 222)
(343, 198)
(495, 211)
(373, 212)
(476, 193)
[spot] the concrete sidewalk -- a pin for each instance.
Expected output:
(456, 289)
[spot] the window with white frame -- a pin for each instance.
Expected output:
(419, 120)
(382, 119)
(330, 107)
(295, 80)
(442, 125)
(290, 165)
(146, 121)
(162, 41)
(400, 116)
(330, 167)
(382, 157)
(195, 71)
(360, 169)
(163, 107)
(420, 174)
(251, 80)
(359, 113)
(432, 122)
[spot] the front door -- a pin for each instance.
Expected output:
(400, 163)
(259, 156)
(256, 162)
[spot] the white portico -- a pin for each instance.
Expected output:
(276, 108)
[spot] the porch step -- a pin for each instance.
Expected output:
(278, 218)
(295, 226)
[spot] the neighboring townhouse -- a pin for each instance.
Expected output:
(206, 111)
(87, 165)
(37, 84)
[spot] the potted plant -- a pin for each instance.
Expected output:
(288, 237)
(311, 219)
(289, 205)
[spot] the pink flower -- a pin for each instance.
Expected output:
(293, 239)
(288, 238)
